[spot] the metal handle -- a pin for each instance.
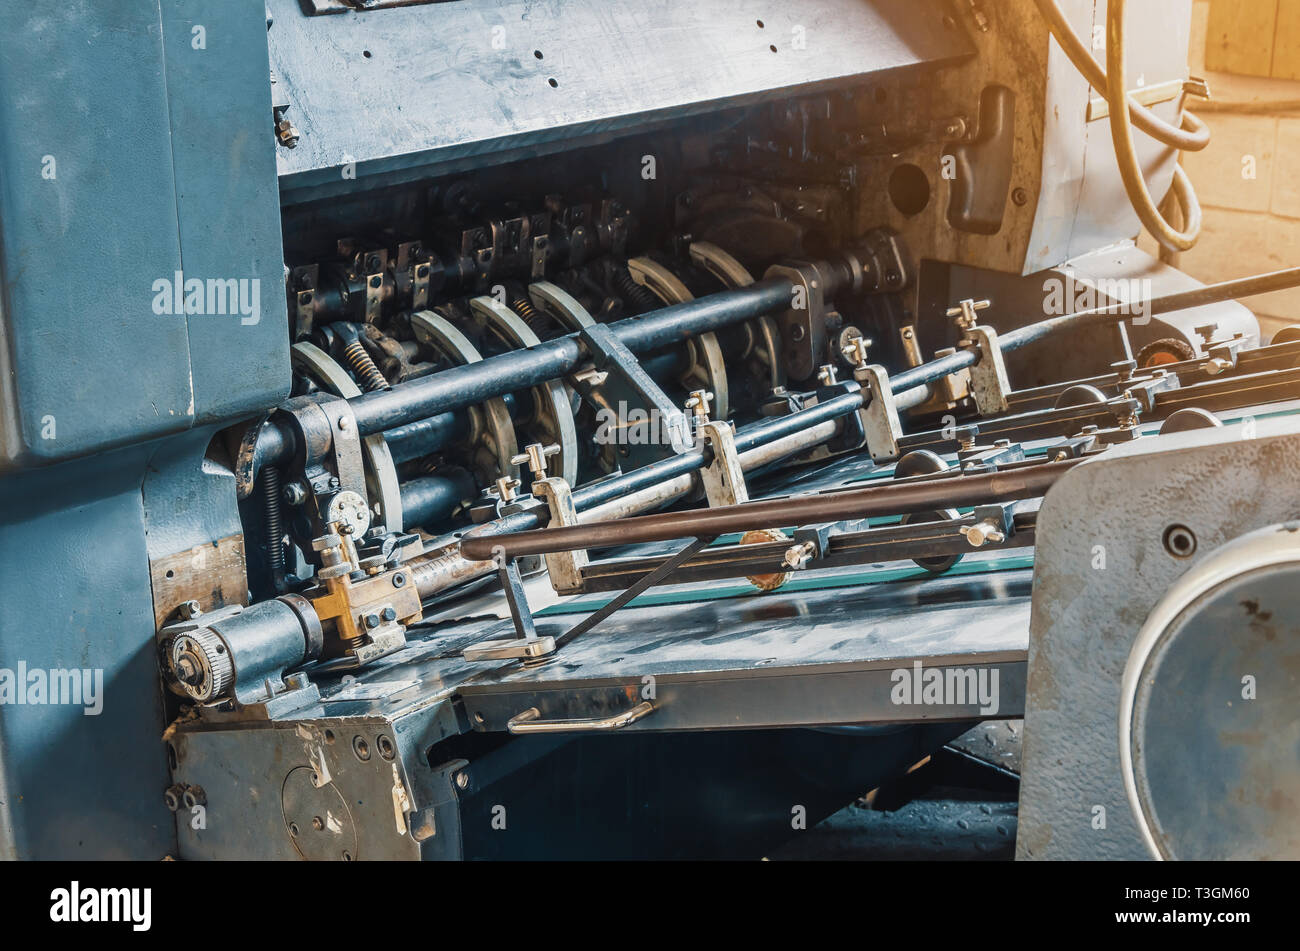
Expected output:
(530, 721)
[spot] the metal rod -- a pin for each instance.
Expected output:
(650, 578)
(935, 370)
(464, 386)
(892, 499)
(445, 566)
(1183, 300)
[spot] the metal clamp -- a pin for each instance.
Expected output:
(530, 721)
(564, 567)
(879, 415)
(803, 324)
(989, 383)
(723, 477)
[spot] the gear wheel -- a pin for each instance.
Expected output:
(201, 664)
(768, 582)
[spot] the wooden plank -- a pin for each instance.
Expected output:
(1286, 51)
(1240, 35)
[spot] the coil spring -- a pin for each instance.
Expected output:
(367, 374)
(641, 296)
(525, 309)
(274, 524)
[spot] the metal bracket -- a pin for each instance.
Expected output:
(304, 280)
(803, 328)
(723, 477)
(564, 567)
(620, 384)
(375, 283)
(527, 645)
(879, 415)
(349, 465)
(988, 377)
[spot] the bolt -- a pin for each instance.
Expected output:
(187, 669)
(535, 455)
(698, 403)
(966, 312)
(965, 436)
(194, 796)
(372, 620)
(388, 614)
(172, 796)
(826, 373)
(317, 823)
(982, 532)
(189, 610)
(326, 542)
(462, 779)
(855, 351)
(1180, 541)
(286, 134)
(1127, 411)
(797, 555)
(505, 488)
(295, 493)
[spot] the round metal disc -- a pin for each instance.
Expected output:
(556, 424)
(492, 430)
(924, 462)
(1208, 727)
(708, 369)
(731, 273)
(1189, 418)
(381, 473)
(1080, 395)
(317, 818)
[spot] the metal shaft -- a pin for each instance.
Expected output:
(928, 373)
(800, 510)
(471, 384)
(766, 443)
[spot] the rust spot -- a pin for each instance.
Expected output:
(1252, 608)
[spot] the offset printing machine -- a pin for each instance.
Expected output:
(489, 429)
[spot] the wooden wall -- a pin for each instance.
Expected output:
(1254, 38)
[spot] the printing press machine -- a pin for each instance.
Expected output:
(591, 429)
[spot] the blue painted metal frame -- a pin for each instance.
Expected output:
(155, 121)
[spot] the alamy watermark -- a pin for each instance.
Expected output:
(1130, 297)
(634, 426)
(77, 904)
(192, 296)
(57, 686)
(946, 687)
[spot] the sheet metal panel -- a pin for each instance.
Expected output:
(414, 86)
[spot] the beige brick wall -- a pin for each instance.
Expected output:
(1252, 224)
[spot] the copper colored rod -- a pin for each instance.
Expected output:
(895, 499)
